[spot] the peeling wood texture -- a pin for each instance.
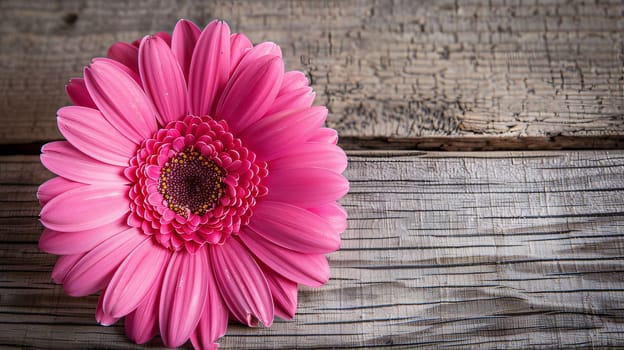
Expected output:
(429, 72)
(493, 250)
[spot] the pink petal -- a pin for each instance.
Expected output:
(210, 68)
(239, 44)
(293, 80)
(312, 155)
(121, 100)
(61, 158)
(185, 35)
(54, 187)
(95, 269)
(250, 92)
(163, 79)
(294, 228)
(324, 135)
(308, 269)
(134, 278)
(266, 48)
(88, 130)
(242, 284)
(85, 208)
(131, 73)
(183, 296)
(126, 54)
(102, 317)
(293, 99)
(207, 346)
(275, 135)
(214, 320)
(142, 323)
(78, 93)
(164, 36)
(65, 243)
(335, 215)
(284, 292)
(305, 187)
(293, 94)
(63, 265)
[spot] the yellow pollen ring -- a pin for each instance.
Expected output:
(190, 183)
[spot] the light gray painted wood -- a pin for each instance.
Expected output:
(491, 250)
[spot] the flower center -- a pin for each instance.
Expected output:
(191, 183)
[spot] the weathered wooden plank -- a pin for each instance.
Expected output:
(429, 71)
(514, 250)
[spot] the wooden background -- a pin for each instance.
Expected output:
(513, 239)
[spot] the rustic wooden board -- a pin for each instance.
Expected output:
(514, 250)
(425, 72)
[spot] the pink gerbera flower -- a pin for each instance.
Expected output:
(196, 183)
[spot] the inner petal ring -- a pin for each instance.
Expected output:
(193, 183)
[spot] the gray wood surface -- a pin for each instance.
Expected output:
(425, 73)
(490, 249)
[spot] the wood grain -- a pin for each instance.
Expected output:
(426, 73)
(489, 250)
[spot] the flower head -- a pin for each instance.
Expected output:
(196, 183)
